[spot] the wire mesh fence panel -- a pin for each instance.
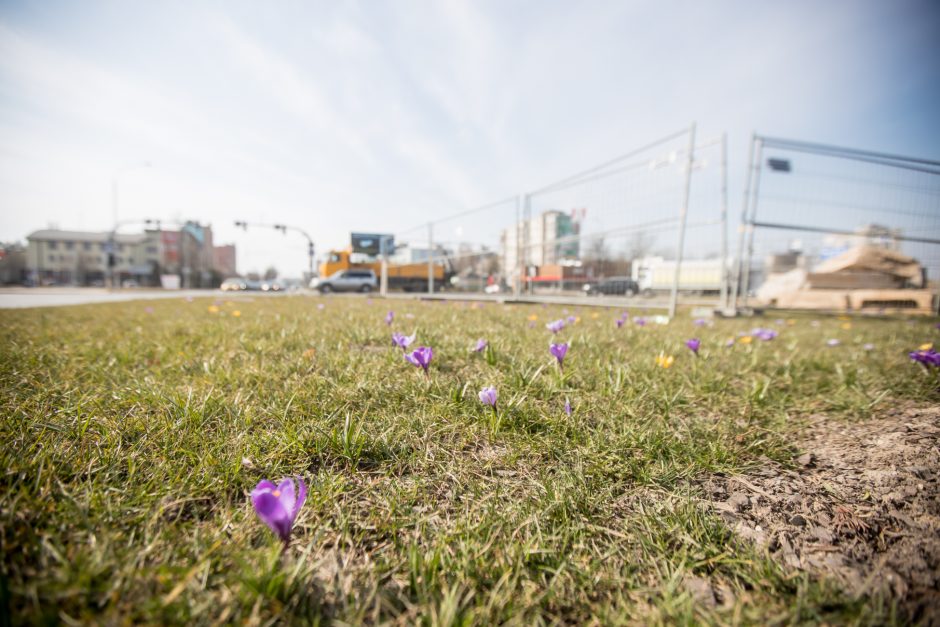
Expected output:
(468, 247)
(816, 209)
(706, 263)
(612, 231)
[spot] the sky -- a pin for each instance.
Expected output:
(379, 115)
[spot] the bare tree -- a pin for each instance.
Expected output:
(270, 274)
(639, 245)
(596, 257)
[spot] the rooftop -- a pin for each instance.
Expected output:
(84, 236)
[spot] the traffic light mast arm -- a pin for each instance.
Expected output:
(283, 228)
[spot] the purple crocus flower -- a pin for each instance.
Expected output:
(481, 345)
(555, 326)
(700, 322)
(928, 357)
(765, 335)
(488, 396)
(833, 342)
(559, 351)
(619, 322)
(868, 347)
(572, 319)
(693, 344)
(640, 322)
(148, 310)
(389, 317)
(421, 356)
(278, 505)
(567, 408)
(401, 340)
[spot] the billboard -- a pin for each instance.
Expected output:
(371, 243)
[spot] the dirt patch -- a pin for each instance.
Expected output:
(862, 507)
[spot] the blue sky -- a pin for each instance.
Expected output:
(375, 116)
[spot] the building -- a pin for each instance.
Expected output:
(223, 260)
(551, 238)
(190, 254)
(58, 257)
(12, 263)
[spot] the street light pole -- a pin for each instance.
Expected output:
(114, 214)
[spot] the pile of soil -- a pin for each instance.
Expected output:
(862, 507)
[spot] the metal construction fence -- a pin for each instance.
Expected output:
(648, 228)
(807, 203)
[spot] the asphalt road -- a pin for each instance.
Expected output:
(17, 298)
(21, 297)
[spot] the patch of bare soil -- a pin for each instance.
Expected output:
(863, 507)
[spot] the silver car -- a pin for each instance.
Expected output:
(347, 281)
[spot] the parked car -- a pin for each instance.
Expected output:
(613, 286)
(270, 286)
(234, 285)
(347, 281)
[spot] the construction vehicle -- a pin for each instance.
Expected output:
(409, 277)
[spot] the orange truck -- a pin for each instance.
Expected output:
(409, 277)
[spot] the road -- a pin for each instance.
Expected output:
(18, 298)
(21, 297)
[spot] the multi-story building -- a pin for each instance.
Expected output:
(12, 263)
(549, 238)
(224, 260)
(82, 257)
(190, 254)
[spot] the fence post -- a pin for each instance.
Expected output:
(526, 220)
(725, 276)
(383, 281)
(743, 226)
(517, 283)
(430, 257)
(683, 215)
(750, 230)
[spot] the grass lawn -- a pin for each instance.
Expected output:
(133, 434)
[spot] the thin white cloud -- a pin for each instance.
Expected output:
(296, 93)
